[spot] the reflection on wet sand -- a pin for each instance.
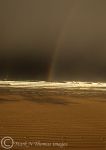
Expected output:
(74, 117)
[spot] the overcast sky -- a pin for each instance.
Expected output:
(33, 32)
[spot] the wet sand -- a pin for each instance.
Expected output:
(54, 119)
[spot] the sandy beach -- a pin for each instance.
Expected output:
(53, 119)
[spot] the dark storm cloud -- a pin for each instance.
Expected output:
(31, 24)
(30, 32)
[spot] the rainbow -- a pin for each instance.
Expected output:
(51, 74)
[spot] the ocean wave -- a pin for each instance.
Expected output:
(51, 85)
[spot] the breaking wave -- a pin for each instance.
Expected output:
(54, 85)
